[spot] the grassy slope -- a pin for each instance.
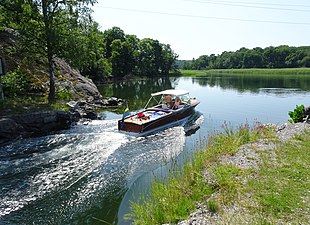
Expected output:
(286, 71)
(275, 193)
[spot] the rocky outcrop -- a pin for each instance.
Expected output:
(45, 122)
(70, 79)
(35, 124)
(307, 111)
(87, 108)
(307, 114)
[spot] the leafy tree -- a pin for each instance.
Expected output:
(306, 61)
(189, 65)
(109, 36)
(281, 52)
(212, 60)
(294, 59)
(236, 60)
(202, 62)
(252, 60)
(54, 11)
(120, 53)
(43, 27)
(132, 43)
(271, 57)
(86, 50)
(146, 62)
(169, 57)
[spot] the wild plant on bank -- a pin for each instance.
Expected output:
(297, 115)
(173, 199)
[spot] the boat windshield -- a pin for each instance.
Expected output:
(167, 100)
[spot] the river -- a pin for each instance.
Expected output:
(90, 173)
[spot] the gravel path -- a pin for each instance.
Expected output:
(247, 157)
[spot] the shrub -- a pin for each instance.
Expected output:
(15, 83)
(297, 115)
(64, 94)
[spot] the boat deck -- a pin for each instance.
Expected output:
(162, 115)
(146, 116)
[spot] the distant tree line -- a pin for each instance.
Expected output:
(271, 57)
(65, 29)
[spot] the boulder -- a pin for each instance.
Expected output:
(87, 108)
(307, 111)
(112, 101)
(9, 128)
(35, 124)
(307, 115)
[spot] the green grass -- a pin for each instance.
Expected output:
(172, 201)
(284, 71)
(276, 193)
(282, 189)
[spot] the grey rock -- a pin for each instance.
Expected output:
(35, 124)
(307, 111)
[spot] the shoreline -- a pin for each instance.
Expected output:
(247, 158)
(250, 72)
(232, 181)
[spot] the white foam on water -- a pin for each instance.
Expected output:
(83, 165)
(60, 168)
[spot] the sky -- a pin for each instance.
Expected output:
(202, 27)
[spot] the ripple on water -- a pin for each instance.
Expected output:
(72, 172)
(56, 163)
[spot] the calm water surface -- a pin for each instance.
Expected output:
(88, 174)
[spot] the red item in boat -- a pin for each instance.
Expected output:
(139, 115)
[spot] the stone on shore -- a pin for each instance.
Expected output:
(34, 124)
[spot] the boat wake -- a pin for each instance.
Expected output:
(32, 168)
(60, 177)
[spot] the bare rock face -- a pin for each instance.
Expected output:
(71, 79)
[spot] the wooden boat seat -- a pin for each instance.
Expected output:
(148, 115)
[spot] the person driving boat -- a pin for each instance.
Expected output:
(169, 101)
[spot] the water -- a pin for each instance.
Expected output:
(88, 174)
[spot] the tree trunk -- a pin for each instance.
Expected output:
(49, 49)
(52, 92)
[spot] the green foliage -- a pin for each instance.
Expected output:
(129, 55)
(15, 83)
(306, 61)
(65, 29)
(59, 106)
(45, 27)
(172, 200)
(225, 175)
(271, 57)
(283, 185)
(212, 206)
(247, 72)
(169, 203)
(297, 115)
(274, 193)
(64, 94)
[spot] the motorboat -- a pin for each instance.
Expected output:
(170, 107)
